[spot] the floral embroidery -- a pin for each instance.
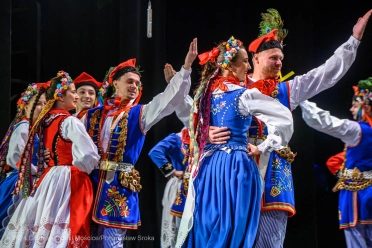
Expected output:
(115, 204)
(178, 200)
(280, 176)
(217, 96)
(216, 109)
(113, 191)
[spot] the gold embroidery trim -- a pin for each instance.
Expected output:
(131, 180)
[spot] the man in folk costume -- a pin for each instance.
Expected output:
(118, 129)
(278, 197)
(267, 50)
(354, 168)
(90, 93)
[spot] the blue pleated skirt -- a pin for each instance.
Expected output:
(7, 200)
(227, 203)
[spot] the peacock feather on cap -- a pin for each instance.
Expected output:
(272, 20)
(365, 84)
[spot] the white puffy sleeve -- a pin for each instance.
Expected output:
(321, 120)
(84, 151)
(17, 144)
(276, 116)
(168, 101)
(325, 76)
(183, 111)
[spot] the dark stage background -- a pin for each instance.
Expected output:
(38, 38)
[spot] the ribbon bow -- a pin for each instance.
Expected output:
(211, 55)
(266, 87)
(356, 90)
(185, 137)
(218, 82)
(116, 104)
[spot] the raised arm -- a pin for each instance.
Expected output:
(321, 120)
(327, 75)
(84, 151)
(174, 94)
(277, 118)
(183, 111)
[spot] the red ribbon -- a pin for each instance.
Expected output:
(218, 82)
(185, 136)
(211, 55)
(266, 87)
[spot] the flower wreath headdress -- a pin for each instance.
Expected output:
(63, 86)
(232, 47)
(32, 89)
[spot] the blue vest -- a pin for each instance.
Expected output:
(114, 205)
(356, 206)
(278, 192)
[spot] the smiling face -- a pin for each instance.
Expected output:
(127, 86)
(39, 106)
(87, 97)
(355, 107)
(268, 63)
(70, 98)
(240, 64)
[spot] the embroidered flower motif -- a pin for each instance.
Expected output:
(125, 212)
(32, 89)
(121, 200)
(281, 175)
(104, 212)
(217, 108)
(63, 86)
(232, 48)
(116, 204)
(112, 191)
(178, 200)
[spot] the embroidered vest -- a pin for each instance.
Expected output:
(59, 147)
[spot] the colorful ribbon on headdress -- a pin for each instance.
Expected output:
(63, 85)
(32, 90)
(199, 121)
(363, 97)
(209, 56)
(25, 181)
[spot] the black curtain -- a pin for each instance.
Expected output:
(91, 36)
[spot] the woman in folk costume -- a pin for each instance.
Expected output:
(56, 208)
(223, 200)
(29, 107)
(355, 171)
(90, 93)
